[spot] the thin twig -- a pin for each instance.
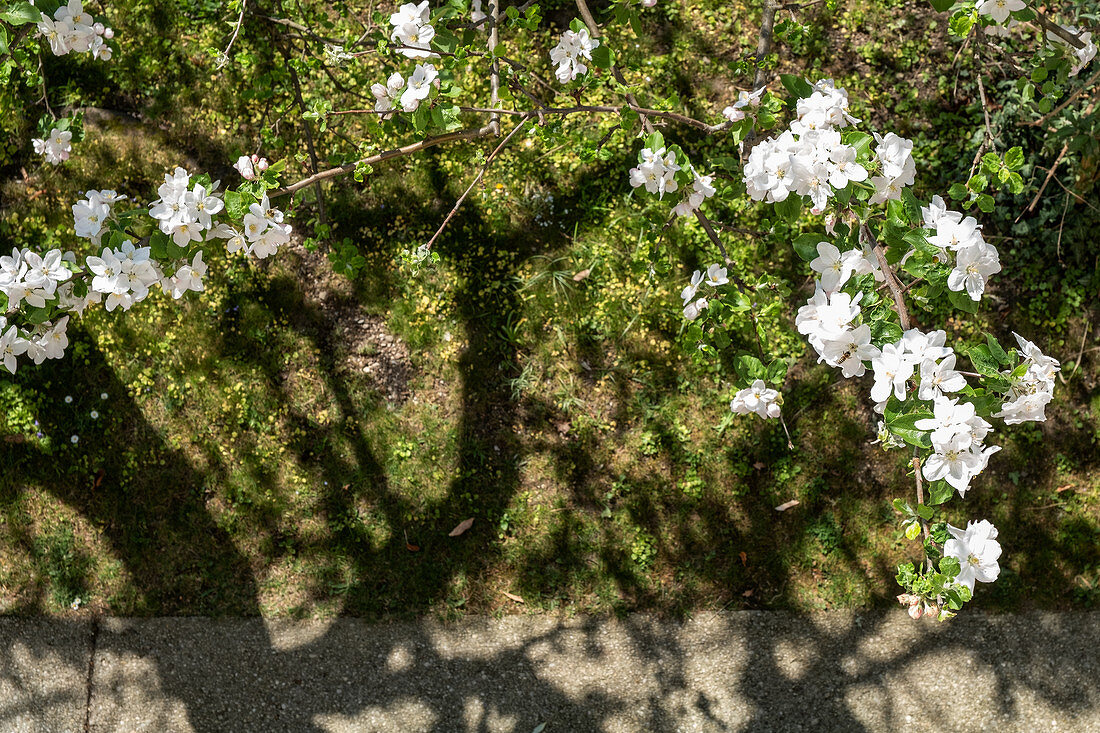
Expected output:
(1050, 174)
(309, 138)
(480, 175)
(594, 31)
(1052, 27)
(224, 58)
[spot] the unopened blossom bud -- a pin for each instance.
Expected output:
(915, 611)
(98, 28)
(261, 165)
(903, 599)
(108, 33)
(931, 610)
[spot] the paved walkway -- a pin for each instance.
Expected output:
(742, 671)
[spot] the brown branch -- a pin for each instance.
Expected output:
(892, 281)
(1052, 27)
(469, 134)
(1046, 182)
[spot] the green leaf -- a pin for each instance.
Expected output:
(1014, 159)
(789, 208)
(942, 5)
(912, 530)
(905, 427)
(996, 351)
(750, 368)
(978, 183)
(986, 203)
(939, 492)
(962, 301)
(958, 191)
(796, 85)
(925, 512)
(805, 246)
(601, 57)
(158, 244)
(21, 14)
(949, 566)
(983, 360)
(655, 141)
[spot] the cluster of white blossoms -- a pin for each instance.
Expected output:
(73, 30)
(264, 231)
(28, 277)
(56, 147)
(656, 171)
(91, 214)
(412, 29)
(409, 96)
(123, 275)
(46, 341)
(182, 212)
(716, 275)
(809, 159)
(976, 259)
(827, 320)
(957, 432)
(1031, 392)
(736, 111)
(567, 55)
(702, 188)
(759, 399)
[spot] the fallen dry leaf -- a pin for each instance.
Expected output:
(411, 547)
(98, 479)
(581, 275)
(747, 593)
(759, 465)
(512, 596)
(462, 527)
(787, 505)
(744, 558)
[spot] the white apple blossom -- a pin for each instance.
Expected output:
(850, 350)
(974, 266)
(937, 378)
(420, 85)
(759, 399)
(977, 550)
(57, 146)
(656, 171)
(736, 111)
(999, 10)
(412, 28)
(892, 373)
(387, 95)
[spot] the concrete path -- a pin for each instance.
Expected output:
(742, 671)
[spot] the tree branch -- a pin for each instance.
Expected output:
(892, 281)
(469, 134)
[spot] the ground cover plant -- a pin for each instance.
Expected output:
(302, 436)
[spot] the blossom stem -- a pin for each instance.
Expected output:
(920, 500)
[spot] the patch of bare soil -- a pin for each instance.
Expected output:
(361, 341)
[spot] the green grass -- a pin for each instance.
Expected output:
(294, 443)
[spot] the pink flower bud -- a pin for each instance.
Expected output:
(108, 33)
(914, 611)
(261, 165)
